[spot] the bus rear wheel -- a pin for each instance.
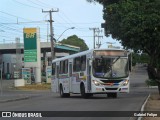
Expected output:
(62, 94)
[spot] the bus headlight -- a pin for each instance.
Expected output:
(97, 83)
(125, 82)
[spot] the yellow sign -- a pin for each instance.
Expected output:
(29, 30)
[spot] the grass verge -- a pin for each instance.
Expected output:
(43, 86)
(150, 82)
(153, 104)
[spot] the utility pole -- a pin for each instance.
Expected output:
(51, 31)
(98, 42)
(96, 30)
(1, 80)
(94, 35)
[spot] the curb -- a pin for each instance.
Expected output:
(142, 108)
(153, 86)
(16, 99)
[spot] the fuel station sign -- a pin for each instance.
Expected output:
(32, 53)
(30, 44)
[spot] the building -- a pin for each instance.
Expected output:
(12, 58)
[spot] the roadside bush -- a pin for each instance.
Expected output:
(150, 82)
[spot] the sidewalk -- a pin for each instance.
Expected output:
(5, 95)
(10, 98)
(9, 94)
(138, 81)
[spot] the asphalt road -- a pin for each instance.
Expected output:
(48, 101)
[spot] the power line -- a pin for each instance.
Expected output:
(80, 23)
(26, 22)
(35, 3)
(5, 36)
(8, 14)
(26, 5)
(64, 15)
(14, 15)
(4, 18)
(63, 20)
(43, 3)
(9, 28)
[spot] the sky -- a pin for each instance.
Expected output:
(18, 14)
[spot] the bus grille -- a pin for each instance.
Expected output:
(111, 88)
(111, 81)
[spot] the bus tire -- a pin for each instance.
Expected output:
(90, 94)
(61, 91)
(83, 94)
(62, 94)
(67, 94)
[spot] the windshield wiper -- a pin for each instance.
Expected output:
(115, 60)
(111, 74)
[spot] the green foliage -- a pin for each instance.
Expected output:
(74, 40)
(144, 58)
(135, 59)
(151, 82)
(140, 58)
(43, 86)
(136, 24)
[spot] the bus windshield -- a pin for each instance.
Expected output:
(110, 67)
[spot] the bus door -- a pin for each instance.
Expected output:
(70, 76)
(57, 77)
(88, 75)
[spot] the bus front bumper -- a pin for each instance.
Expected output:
(110, 89)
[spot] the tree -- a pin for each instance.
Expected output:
(74, 40)
(135, 23)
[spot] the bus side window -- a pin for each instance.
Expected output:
(83, 63)
(57, 71)
(64, 67)
(61, 67)
(77, 64)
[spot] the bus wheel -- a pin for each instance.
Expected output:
(67, 95)
(112, 95)
(62, 94)
(83, 94)
(61, 91)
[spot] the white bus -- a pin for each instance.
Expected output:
(97, 71)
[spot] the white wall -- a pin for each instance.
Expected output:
(11, 59)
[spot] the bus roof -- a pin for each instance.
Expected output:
(83, 53)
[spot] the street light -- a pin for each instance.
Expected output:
(65, 31)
